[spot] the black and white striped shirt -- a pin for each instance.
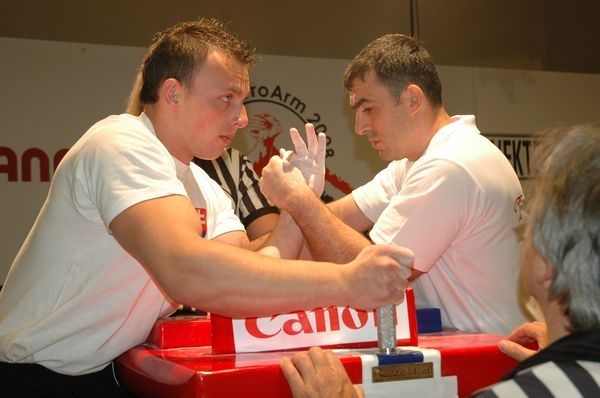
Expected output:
(569, 367)
(236, 175)
(551, 379)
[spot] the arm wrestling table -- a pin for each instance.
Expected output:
(178, 361)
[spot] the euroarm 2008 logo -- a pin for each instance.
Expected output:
(272, 111)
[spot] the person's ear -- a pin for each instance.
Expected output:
(546, 273)
(170, 92)
(414, 97)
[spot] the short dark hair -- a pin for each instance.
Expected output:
(397, 61)
(178, 51)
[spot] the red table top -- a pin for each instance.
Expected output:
(196, 372)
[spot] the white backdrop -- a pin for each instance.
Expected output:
(53, 91)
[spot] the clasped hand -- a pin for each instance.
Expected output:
(292, 171)
(310, 160)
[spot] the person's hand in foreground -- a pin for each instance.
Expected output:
(529, 333)
(318, 373)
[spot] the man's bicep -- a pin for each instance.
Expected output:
(235, 238)
(154, 229)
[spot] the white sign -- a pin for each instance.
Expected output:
(326, 327)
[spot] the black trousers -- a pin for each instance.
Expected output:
(26, 380)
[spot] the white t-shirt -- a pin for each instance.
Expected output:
(74, 299)
(456, 207)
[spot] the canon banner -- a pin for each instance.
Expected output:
(331, 327)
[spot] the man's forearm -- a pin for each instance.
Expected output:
(328, 238)
(285, 241)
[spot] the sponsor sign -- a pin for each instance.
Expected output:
(327, 327)
(518, 150)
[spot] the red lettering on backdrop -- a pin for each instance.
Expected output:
(44, 162)
(59, 155)
(11, 167)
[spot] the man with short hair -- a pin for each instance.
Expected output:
(132, 227)
(560, 269)
(448, 193)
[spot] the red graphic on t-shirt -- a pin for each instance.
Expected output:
(202, 216)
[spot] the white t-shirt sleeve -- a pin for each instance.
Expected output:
(227, 221)
(373, 197)
(220, 206)
(427, 212)
(119, 169)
